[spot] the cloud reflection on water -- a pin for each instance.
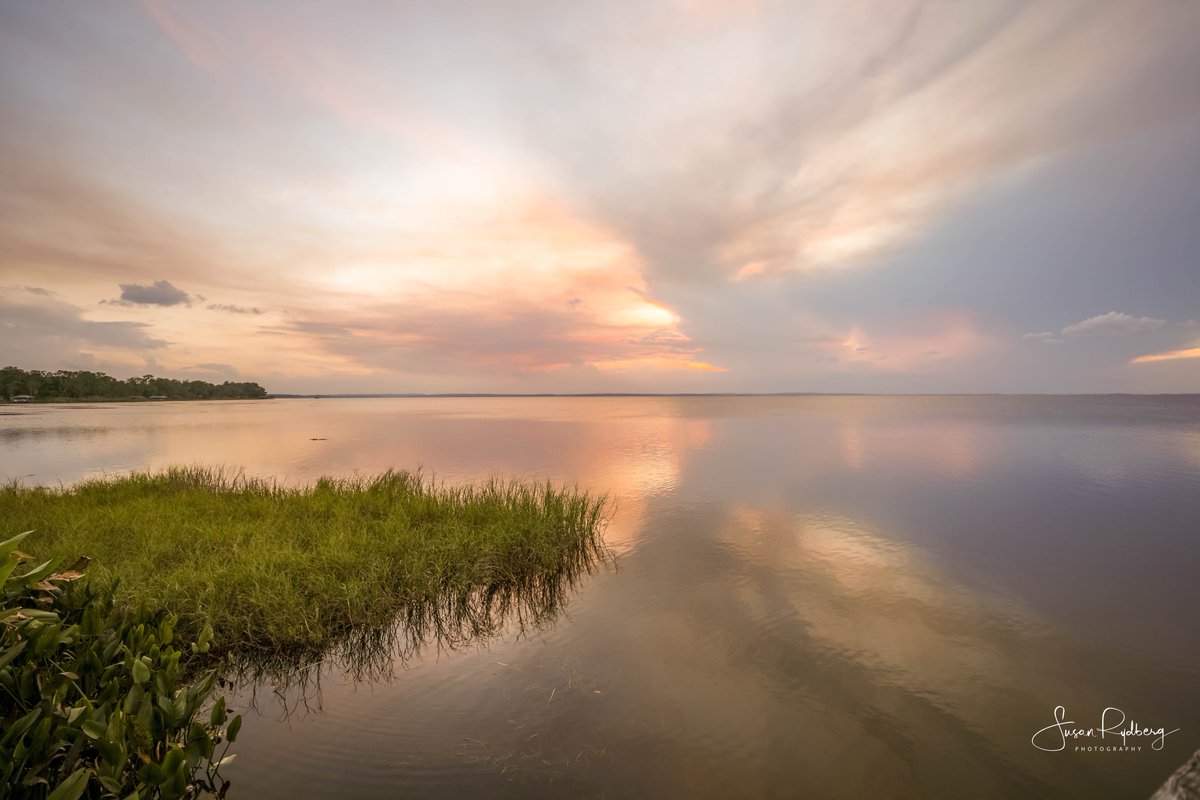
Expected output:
(859, 596)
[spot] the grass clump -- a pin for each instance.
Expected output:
(278, 568)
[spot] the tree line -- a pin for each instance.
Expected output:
(84, 385)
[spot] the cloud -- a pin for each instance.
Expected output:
(1113, 323)
(191, 39)
(919, 346)
(63, 207)
(1050, 337)
(209, 371)
(417, 339)
(854, 152)
(159, 293)
(234, 309)
(1170, 355)
(46, 333)
(764, 188)
(535, 289)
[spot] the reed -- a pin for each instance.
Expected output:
(277, 568)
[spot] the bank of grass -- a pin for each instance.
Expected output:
(275, 567)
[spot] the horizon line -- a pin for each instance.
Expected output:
(416, 395)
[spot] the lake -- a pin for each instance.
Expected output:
(820, 597)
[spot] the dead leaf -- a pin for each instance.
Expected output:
(80, 564)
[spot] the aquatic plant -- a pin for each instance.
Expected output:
(275, 568)
(94, 699)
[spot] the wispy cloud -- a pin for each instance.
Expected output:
(573, 192)
(198, 46)
(803, 156)
(39, 331)
(1113, 323)
(1170, 355)
(1049, 337)
(231, 309)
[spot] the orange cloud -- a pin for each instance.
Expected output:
(657, 362)
(1170, 355)
(196, 45)
(950, 339)
(521, 284)
(308, 63)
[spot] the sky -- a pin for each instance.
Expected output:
(692, 196)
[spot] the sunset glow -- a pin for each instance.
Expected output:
(1172, 355)
(577, 198)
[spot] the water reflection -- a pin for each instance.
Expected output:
(820, 596)
(860, 602)
(15, 435)
(447, 622)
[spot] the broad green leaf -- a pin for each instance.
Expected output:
(10, 562)
(153, 774)
(9, 545)
(39, 615)
(112, 784)
(95, 729)
(72, 787)
(217, 716)
(133, 700)
(173, 760)
(12, 652)
(37, 573)
(22, 725)
(232, 731)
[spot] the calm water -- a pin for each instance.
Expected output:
(814, 597)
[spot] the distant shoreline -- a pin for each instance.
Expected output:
(562, 395)
(20, 386)
(43, 401)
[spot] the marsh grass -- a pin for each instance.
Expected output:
(288, 572)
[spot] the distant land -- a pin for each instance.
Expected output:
(38, 386)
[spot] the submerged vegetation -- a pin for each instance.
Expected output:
(278, 569)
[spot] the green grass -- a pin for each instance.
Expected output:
(293, 569)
